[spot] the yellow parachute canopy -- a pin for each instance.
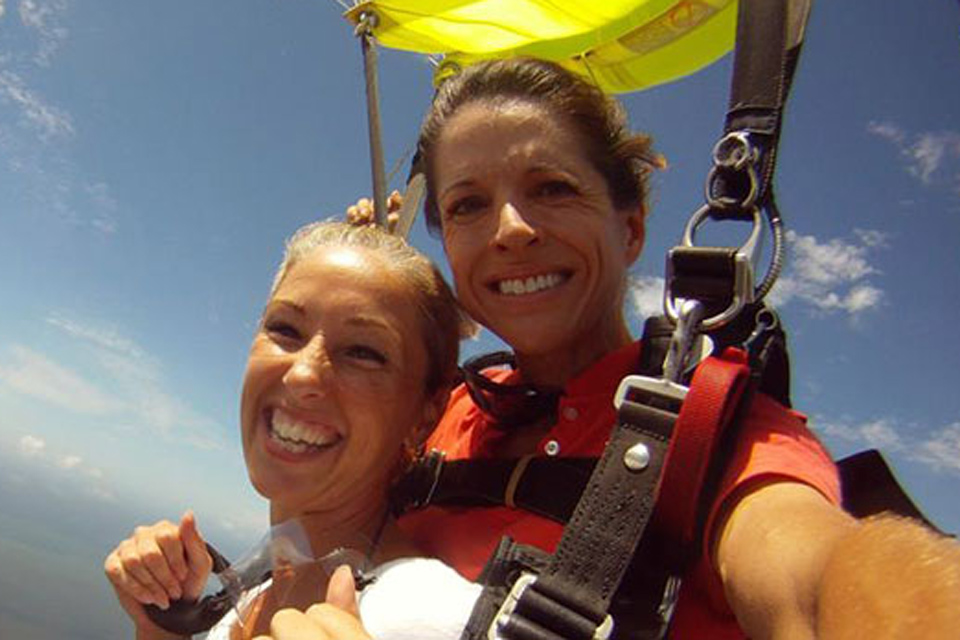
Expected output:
(624, 45)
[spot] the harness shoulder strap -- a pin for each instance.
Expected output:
(659, 429)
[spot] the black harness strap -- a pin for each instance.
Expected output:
(571, 596)
(549, 487)
(769, 38)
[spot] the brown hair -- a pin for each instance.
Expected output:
(623, 158)
(442, 321)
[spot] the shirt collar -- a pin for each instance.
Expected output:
(605, 374)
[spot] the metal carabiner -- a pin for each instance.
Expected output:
(745, 260)
(684, 335)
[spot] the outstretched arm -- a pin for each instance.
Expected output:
(795, 566)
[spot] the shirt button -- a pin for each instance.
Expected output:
(552, 448)
(570, 413)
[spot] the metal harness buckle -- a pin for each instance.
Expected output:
(526, 579)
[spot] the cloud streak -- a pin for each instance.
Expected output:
(48, 121)
(35, 375)
(137, 399)
(938, 450)
(45, 19)
(927, 155)
(36, 138)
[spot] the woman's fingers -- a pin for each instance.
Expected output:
(151, 555)
(337, 623)
(124, 582)
(342, 590)
(198, 562)
(290, 624)
(161, 562)
(362, 213)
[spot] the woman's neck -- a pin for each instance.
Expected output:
(351, 527)
(557, 367)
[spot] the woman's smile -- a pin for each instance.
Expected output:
(291, 436)
(526, 285)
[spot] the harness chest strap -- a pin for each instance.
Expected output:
(655, 433)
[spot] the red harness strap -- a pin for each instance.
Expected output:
(715, 392)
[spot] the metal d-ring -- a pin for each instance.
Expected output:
(734, 153)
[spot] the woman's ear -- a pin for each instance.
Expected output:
(433, 409)
(636, 231)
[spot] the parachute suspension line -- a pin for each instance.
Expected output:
(586, 65)
(401, 161)
(364, 31)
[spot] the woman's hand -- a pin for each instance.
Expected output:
(158, 564)
(361, 213)
(336, 619)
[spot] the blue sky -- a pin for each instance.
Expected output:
(153, 157)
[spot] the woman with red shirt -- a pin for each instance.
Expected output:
(537, 189)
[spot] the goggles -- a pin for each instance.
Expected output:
(283, 556)
(510, 406)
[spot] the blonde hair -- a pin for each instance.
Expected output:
(442, 324)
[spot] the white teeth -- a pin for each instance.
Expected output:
(296, 436)
(532, 284)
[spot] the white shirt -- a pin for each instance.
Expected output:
(411, 599)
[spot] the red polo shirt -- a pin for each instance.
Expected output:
(774, 443)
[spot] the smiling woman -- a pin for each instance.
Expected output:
(350, 368)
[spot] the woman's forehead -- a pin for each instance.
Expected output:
(344, 272)
(507, 134)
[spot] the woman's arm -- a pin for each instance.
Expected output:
(795, 566)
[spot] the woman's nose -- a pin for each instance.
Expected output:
(308, 375)
(514, 230)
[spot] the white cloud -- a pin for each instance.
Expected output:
(31, 446)
(132, 396)
(36, 375)
(938, 450)
(926, 155)
(646, 294)
(45, 18)
(35, 139)
(880, 434)
(90, 479)
(941, 450)
(139, 384)
(888, 131)
(110, 339)
(69, 462)
(830, 275)
(873, 238)
(48, 121)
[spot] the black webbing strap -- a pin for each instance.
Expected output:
(570, 598)
(769, 37)
(549, 487)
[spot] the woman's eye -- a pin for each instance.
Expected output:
(366, 354)
(465, 207)
(555, 189)
(281, 330)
